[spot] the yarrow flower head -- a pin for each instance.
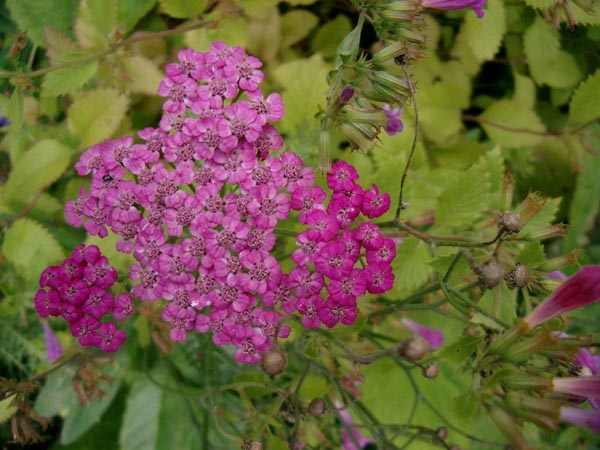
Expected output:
(197, 202)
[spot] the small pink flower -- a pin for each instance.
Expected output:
(434, 337)
(53, 347)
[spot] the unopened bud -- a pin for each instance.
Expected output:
(490, 274)
(530, 207)
(252, 445)
(346, 94)
(441, 433)
(317, 406)
(510, 222)
(414, 348)
(325, 152)
(431, 370)
(518, 277)
(557, 230)
(273, 362)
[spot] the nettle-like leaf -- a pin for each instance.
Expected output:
(71, 78)
(585, 106)
(30, 248)
(464, 200)
(505, 120)
(183, 9)
(33, 16)
(411, 266)
(264, 34)
(542, 4)
(545, 217)
(39, 167)
(304, 85)
(58, 45)
(233, 30)
(144, 76)
(96, 115)
(485, 35)
(131, 11)
(103, 15)
(329, 35)
(295, 26)
(548, 63)
(140, 421)
(89, 36)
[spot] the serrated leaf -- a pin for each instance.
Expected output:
(589, 16)
(71, 78)
(177, 426)
(233, 30)
(460, 349)
(30, 248)
(144, 76)
(524, 90)
(532, 254)
(103, 15)
(140, 421)
(504, 121)
(328, 36)
(183, 9)
(88, 34)
(264, 34)
(314, 386)
(411, 266)
(296, 25)
(586, 201)
(544, 218)
(131, 11)
(584, 106)
(485, 35)
(7, 409)
(542, 49)
(542, 4)
(464, 200)
(304, 83)
(33, 16)
(39, 167)
(96, 115)
(58, 46)
(500, 302)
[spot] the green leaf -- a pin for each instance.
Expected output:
(304, 82)
(88, 34)
(464, 200)
(544, 218)
(144, 76)
(411, 266)
(96, 115)
(460, 349)
(30, 248)
(327, 36)
(584, 105)
(39, 167)
(131, 11)
(492, 26)
(348, 47)
(542, 49)
(177, 426)
(70, 78)
(542, 4)
(314, 386)
(505, 120)
(7, 409)
(254, 377)
(586, 201)
(532, 254)
(295, 26)
(103, 15)
(33, 16)
(141, 419)
(15, 110)
(183, 9)
(233, 30)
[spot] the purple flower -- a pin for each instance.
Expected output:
(583, 386)
(453, 5)
(582, 417)
(350, 434)
(393, 124)
(53, 347)
(380, 278)
(123, 306)
(579, 290)
(342, 176)
(434, 337)
(109, 337)
(375, 204)
(47, 303)
(4, 122)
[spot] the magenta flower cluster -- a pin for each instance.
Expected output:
(78, 291)
(198, 201)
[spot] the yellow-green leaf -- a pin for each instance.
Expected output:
(233, 30)
(144, 76)
(183, 9)
(510, 123)
(328, 36)
(485, 34)
(585, 106)
(295, 26)
(95, 116)
(70, 78)
(103, 15)
(30, 248)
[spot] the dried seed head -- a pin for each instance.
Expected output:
(431, 370)
(518, 277)
(252, 445)
(273, 362)
(510, 222)
(491, 274)
(414, 348)
(317, 406)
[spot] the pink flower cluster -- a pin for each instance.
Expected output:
(77, 290)
(198, 201)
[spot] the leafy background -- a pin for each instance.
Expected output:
(507, 93)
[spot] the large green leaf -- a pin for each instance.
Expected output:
(141, 419)
(131, 11)
(232, 29)
(548, 63)
(484, 35)
(295, 26)
(103, 15)
(411, 266)
(30, 248)
(33, 16)
(183, 9)
(71, 78)
(584, 105)
(511, 123)
(304, 84)
(329, 35)
(178, 426)
(144, 76)
(39, 167)
(96, 115)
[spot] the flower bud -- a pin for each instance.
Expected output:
(346, 94)
(325, 152)
(317, 406)
(252, 445)
(530, 207)
(510, 222)
(414, 348)
(431, 370)
(518, 277)
(508, 188)
(490, 274)
(442, 433)
(273, 362)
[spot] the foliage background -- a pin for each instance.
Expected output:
(508, 92)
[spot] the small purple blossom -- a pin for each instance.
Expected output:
(53, 347)
(433, 336)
